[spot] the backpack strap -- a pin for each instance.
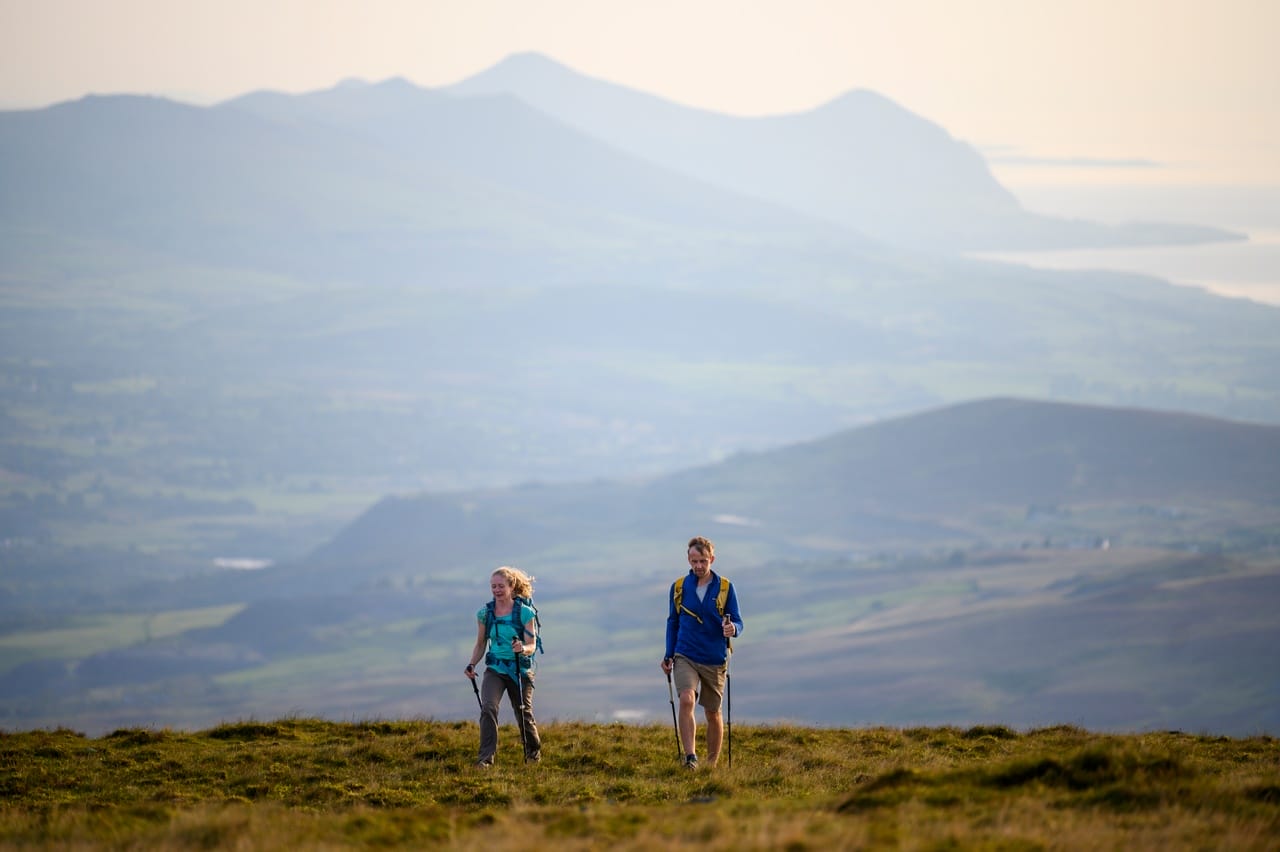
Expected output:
(527, 603)
(490, 622)
(677, 597)
(722, 600)
(722, 597)
(491, 618)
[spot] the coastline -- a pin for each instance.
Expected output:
(1248, 269)
(1240, 269)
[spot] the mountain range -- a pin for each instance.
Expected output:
(860, 160)
(380, 338)
(458, 287)
(497, 173)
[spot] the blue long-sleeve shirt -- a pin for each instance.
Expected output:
(700, 641)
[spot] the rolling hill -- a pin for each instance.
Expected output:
(949, 477)
(1005, 561)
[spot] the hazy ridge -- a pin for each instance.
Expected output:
(860, 160)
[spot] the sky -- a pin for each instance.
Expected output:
(1184, 91)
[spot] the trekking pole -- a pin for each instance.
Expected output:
(476, 690)
(675, 725)
(728, 695)
(524, 743)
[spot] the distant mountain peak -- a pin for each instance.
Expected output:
(397, 84)
(530, 57)
(524, 69)
(868, 106)
(862, 98)
(530, 60)
(123, 106)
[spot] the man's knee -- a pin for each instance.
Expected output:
(712, 715)
(688, 697)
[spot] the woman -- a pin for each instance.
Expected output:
(508, 630)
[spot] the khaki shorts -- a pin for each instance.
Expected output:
(707, 681)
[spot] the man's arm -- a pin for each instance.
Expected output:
(731, 611)
(673, 622)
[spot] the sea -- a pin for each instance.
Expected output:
(1242, 269)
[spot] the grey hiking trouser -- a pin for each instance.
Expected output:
(491, 690)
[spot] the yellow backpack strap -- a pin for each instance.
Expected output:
(677, 597)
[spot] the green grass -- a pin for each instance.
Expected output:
(305, 783)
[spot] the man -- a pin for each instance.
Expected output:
(702, 616)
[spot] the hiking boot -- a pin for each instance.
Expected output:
(536, 757)
(484, 764)
(690, 761)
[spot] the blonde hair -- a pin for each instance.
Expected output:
(521, 583)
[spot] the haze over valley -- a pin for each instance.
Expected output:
(373, 340)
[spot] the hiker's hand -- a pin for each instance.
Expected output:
(667, 665)
(517, 645)
(729, 630)
(470, 671)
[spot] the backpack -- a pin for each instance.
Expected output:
(516, 602)
(722, 598)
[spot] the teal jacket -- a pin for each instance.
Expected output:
(500, 657)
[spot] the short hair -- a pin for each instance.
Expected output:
(702, 545)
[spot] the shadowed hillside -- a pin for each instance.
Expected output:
(923, 480)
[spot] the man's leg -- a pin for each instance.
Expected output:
(715, 734)
(688, 725)
(713, 680)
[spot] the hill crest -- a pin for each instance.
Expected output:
(920, 481)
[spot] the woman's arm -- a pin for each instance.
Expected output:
(477, 653)
(528, 643)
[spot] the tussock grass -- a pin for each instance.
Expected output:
(307, 783)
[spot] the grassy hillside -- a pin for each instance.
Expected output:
(297, 783)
